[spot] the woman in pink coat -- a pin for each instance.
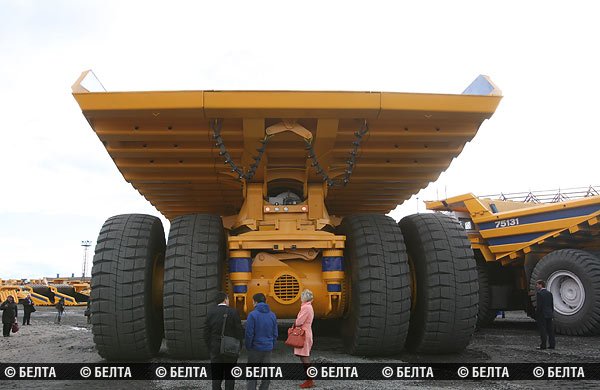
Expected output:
(304, 320)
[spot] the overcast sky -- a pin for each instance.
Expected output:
(58, 184)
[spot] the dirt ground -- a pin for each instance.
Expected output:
(510, 340)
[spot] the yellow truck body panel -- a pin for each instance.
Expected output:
(163, 144)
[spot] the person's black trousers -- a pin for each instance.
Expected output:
(222, 370)
(6, 329)
(263, 357)
(546, 332)
(26, 317)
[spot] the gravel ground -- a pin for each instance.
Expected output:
(509, 340)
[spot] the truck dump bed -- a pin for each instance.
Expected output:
(163, 144)
(507, 230)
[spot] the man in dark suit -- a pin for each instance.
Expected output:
(212, 336)
(27, 309)
(544, 312)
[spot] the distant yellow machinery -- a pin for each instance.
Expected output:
(53, 293)
(10, 289)
(518, 242)
(276, 192)
(43, 293)
(38, 299)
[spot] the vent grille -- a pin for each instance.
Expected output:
(287, 288)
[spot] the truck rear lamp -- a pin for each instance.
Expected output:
(286, 209)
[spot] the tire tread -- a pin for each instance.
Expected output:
(383, 285)
(195, 251)
(122, 328)
(446, 313)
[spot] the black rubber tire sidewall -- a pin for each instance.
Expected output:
(485, 314)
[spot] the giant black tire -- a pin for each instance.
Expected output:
(193, 267)
(582, 270)
(376, 323)
(127, 318)
(485, 314)
(445, 312)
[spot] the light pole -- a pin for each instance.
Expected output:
(85, 244)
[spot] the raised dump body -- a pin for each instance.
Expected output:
(47, 294)
(518, 243)
(10, 290)
(38, 299)
(74, 292)
(163, 143)
(276, 192)
(53, 293)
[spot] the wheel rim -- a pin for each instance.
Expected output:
(413, 284)
(158, 275)
(567, 291)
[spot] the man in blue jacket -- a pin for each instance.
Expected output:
(261, 335)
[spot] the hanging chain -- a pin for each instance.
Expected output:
(350, 163)
(216, 125)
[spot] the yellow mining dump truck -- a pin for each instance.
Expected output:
(75, 293)
(49, 295)
(518, 243)
(11, 289)
(19, 290)
(276, 192)
(38, 299)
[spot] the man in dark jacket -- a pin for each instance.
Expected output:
(27, 309)
(261, 335)
(60, 310)
(88, 311)
(9, 315)
(212, 336)
(544, 313)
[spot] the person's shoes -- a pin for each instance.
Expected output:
(541, 347)
(307, 384)
(551, 348)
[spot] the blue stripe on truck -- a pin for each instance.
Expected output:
(516, 239)
(547, 216)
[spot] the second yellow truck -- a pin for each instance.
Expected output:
(517, 243)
